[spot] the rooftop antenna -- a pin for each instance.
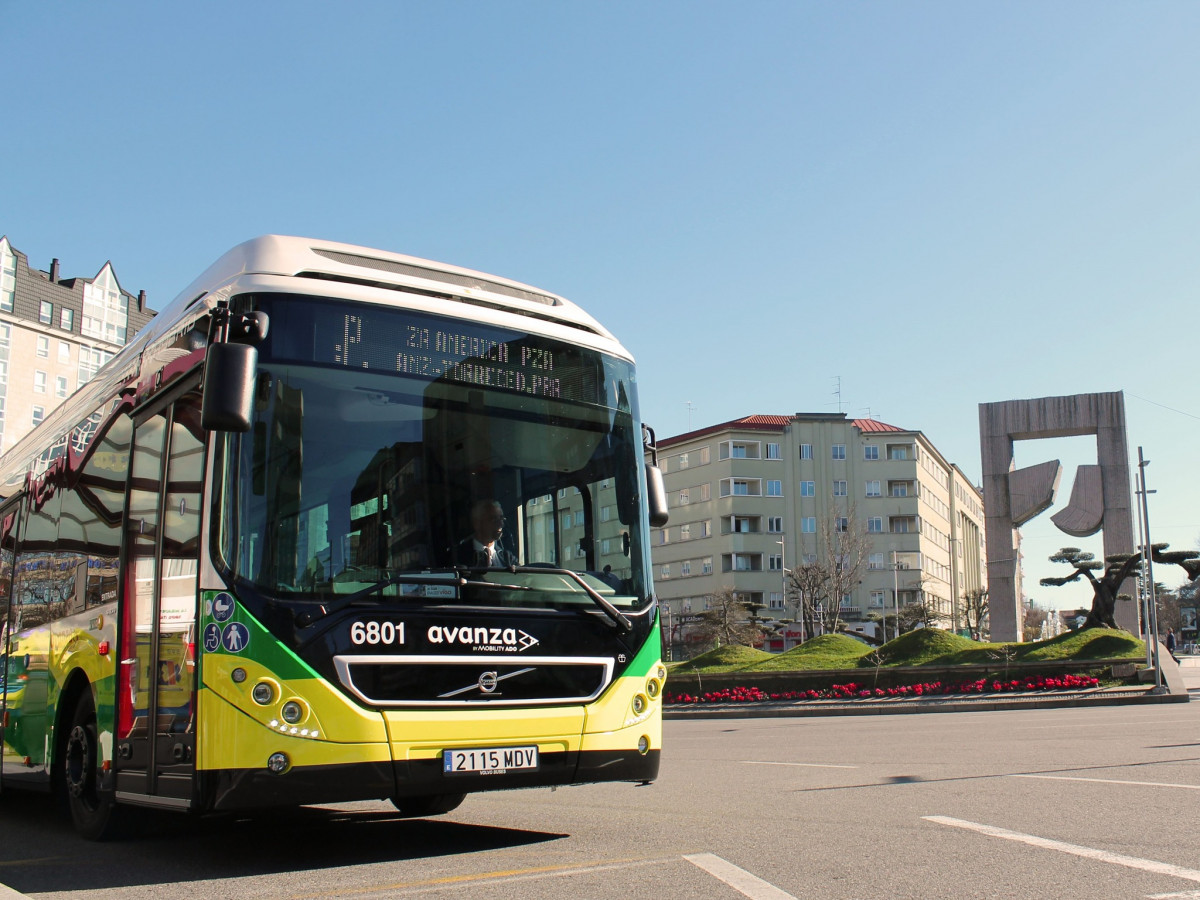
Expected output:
(690, 407)
(837, 391)
(870, 415)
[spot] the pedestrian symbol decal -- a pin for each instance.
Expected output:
(222, 607)
(212, 637)
(235, 637)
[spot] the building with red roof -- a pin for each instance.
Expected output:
(761, 503)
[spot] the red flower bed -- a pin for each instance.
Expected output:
(854, 691)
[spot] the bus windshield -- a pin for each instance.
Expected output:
(382, 437)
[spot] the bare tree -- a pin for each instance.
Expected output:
(975, 611)
(727, 620)
(818, 583)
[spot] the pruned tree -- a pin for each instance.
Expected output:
(819, 582)
(975, 612)
(727, 620)
(1116, 569)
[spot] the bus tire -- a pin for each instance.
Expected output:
(420, 807)
(93, 811)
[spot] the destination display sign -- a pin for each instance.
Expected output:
(380, 339)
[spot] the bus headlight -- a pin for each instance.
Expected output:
(277, 763)
(262, 693)
(652, 688)
(643, 745)
(292, 712)
(639, 704)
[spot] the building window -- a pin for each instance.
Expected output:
(898, 488)
(876, 561)
(839, 488)
(664, 536)
(873, 489)
(847, 601)
(705, 492)
(806, 451)
(775, 524)
(685, 532)
(775, 562)
(64, 352)
(706, 565)
(741, 487)
(774, 488)
(60, 386)
(8, 276)
(685, 567)
(877, 598)
(703, 456)
(66, 319)
(842, 525)
(684, 497)
(43, 347)
(683, 460)
(897, 451)
(90, 361)
(870, 451)
(105, 309)
(839, 451)
(875, 525)
(773, 451)
(776, 601)
(39, 382)
(664, 571)
(39, 413)
(740, 450)
(705, 528)
(808, 489)
(904, 524)
(45, 312)
(808, 525)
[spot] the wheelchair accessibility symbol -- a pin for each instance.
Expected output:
(212, 637)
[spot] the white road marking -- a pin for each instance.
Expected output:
(754, 762)
(739, 879)
(1118, 859)
(1186, 787)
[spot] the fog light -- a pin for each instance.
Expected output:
(262, 693)
(278, 763)
(292, 712)
(643, 745)
(661, 673)
(639, 704)
(652, 689)
(238, 675)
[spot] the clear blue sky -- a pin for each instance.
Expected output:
(941, 204)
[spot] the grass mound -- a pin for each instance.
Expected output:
(920, 647)
(730, 658)
(1094, 643)
(827, 651)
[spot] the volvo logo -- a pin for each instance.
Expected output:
(486, 683)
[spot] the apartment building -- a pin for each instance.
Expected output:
(749, 497)
(55, 333)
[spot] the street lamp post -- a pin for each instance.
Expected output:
(895, 595)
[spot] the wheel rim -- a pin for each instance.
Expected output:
(78, 762)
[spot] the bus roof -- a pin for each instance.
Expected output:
(348, 264)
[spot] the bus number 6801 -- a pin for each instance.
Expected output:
(375, 633)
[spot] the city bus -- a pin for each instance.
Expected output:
(230, 567)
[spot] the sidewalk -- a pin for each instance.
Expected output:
(1182, 681)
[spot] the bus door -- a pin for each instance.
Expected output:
(10, 670)
(156, 686)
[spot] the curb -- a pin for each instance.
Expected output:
(768, 709)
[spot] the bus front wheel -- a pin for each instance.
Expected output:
(420, 807)
(93, 812)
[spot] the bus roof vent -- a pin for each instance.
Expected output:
(466, 281)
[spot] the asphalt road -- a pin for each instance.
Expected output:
(1091, 803)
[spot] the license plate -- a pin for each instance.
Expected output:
(489, 761)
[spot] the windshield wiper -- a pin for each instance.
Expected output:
(618, 619)
(304, 619)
